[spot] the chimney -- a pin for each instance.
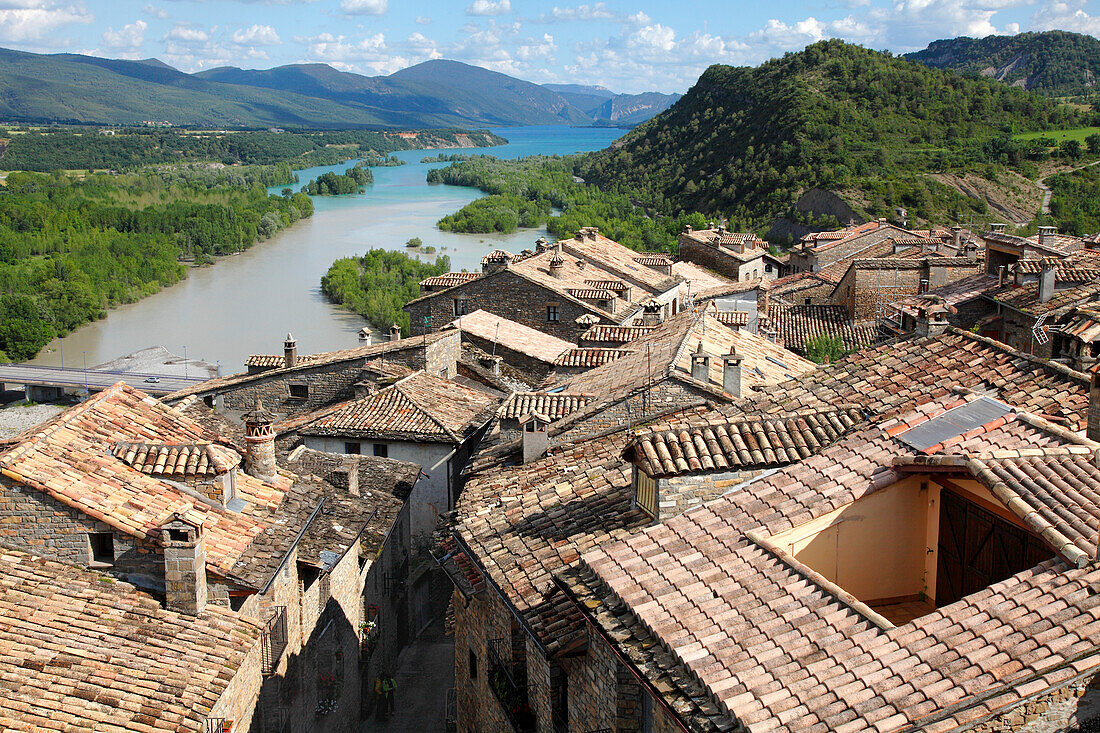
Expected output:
(700, 365)
(364, 336)
(1000, 276)
(557, 266)
(184, 565)
(535, 438)
(687, 229)
(541, 245)
(881, 222)
(349, 471)
(731, 374)
(395, 332)
(1046, 233)
(932, 320)
(997, 227)
(651, 312)
(290, 352)
(1092, 426)
(496, 365)
(259, 439)
(1046, 280)
(581, 264)
(957, 237)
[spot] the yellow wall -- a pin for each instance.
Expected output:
(874, 548)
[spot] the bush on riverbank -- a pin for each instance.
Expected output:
(70, 249)
(378, 284)
(330, 184)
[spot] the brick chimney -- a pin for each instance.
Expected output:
(1047, 279)
(395, 332)
(731, 373)
(1092, 425)
(700, 365)
(184, 565)
(259, 439)
(535, 439)
(290, 352)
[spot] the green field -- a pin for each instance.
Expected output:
(1079, 134)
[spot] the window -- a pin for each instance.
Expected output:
(461, 306)
(351, 448)
(299, 391)
(552, 313)
(807, 301)
(381, 450)
(307, 575)
(645, 492)
(473, 665)
(102, 546)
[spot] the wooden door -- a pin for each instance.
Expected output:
(977, 548)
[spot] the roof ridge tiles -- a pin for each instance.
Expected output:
(1038, 361)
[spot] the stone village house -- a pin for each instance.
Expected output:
(301, 558)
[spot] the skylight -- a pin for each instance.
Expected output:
(954, 422)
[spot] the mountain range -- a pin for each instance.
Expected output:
(88, 89)
(1055, 63)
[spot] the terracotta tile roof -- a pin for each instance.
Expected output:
(511, 335)
(590, 294)
(952, 294)
(449, 279)
(176, 459)
(366, 353)
(718, 443)
(588, 357)
(554, 405)
(615, 285)
(612, 334)
(795, 325)
(72, 460)
(80, 653)
(733, 626)
(1058, 243)
(1082, 324)
(458, 566)
(420, 407)
(732, 318)
(698, 281)
(820, 241)
(1025, 298)
(276, 360)
(497, 256)
(653, 260)
(618, 260)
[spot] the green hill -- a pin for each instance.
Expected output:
(747, 142)
(1056, 63)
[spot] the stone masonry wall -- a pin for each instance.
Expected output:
(677, 494)
(592, 687)
(661, 397)
(485, 617)
(1017, 333)
(719, 260)
(1072, 707)
(506, 295)
(240, 700)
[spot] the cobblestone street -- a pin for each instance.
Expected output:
(424, 674)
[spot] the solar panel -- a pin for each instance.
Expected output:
(954, 422)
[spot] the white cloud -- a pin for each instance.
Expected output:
(188, 35)
(128, 38)
(489, 7)
(370, 54)
(597, 11)
(423, 20)
(155, 11)
(24, 21)
(1067, 15)
(364, 7)
(256, 35)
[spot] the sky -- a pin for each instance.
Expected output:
(628, 47)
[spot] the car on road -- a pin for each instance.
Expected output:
(152, 380)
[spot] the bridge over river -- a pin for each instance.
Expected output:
(44, 383)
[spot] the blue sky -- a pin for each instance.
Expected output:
(631, 46)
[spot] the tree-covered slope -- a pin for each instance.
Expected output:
(1056, 63)
(746, 142)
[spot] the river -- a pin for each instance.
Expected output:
(245, 304)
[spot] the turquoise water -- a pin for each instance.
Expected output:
(247, 303)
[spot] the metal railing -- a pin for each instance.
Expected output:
(511, 695)
(214, 725)
(274, 640)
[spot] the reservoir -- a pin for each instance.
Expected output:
(245, 304)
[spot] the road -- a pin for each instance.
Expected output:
(93, 379)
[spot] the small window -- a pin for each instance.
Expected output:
(807, 301)
(461, 306)
(307, 575)
(473, 665)
(552, 313)
(299, 391)
(102, 547)
(351, 448)
(381, 450)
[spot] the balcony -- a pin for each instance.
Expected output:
(274, 640)
(511, 695)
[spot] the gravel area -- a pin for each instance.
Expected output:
(17, 418)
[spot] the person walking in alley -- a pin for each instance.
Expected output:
(389, 692)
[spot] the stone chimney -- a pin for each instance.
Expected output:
(1092, 425)
(997, 227)
(881, 222)
(395, 332)
(1046, 233)
(557, 266)
(184, 565)
(364, 336)
(652, 310)
(731, 373)
(932, 320)
(700, 365)
(957, 237)
(349, 472)
(496, 364)
(1047, 279)
(259, 439)
(535, 438)
(541, 245)
(687, 229)
(290, 352)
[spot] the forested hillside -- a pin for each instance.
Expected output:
(1055, 63)
(747, 142)
(70, 249)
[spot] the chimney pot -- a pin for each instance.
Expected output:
(731, 374)
(535, 438)
(395, 332)
(364, 336)
(700, 365)
(259, 438)
(290, 352)
(1047, 280)
(184, 565)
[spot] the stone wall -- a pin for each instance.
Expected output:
(677, 494)
(593, 688)
(483, 618)
(639, 405)
(504, 294)
(720, 260)
(1075, 707)
(240, 700)
(529, 365)
(1016, 331)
